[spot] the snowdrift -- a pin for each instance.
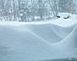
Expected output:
(38, 41)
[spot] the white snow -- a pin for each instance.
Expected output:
(36, 41)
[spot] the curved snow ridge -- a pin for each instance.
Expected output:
(31, 42)
(50, 32)
(70, 41)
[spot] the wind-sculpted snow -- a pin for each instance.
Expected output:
(51, 32)
(31, 42)
(70, 41)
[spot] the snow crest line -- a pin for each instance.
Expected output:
(43, 40)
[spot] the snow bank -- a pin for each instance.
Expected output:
(38, 41)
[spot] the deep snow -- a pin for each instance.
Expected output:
(36, 41)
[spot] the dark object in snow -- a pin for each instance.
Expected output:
(58, 16)
(67, 17)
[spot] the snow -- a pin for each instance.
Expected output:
(36, 41)
(58, 21)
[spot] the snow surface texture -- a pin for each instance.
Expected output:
(37, 41)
